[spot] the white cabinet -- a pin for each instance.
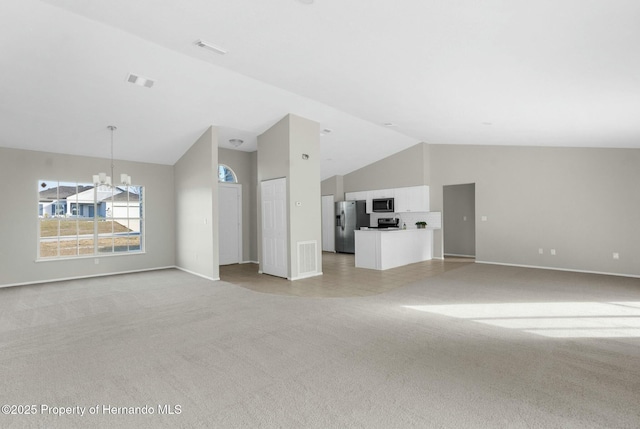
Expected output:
(412, 199)
(383, 193)
(409, 199)
(356, 196)
(381, 250)
(402, 200)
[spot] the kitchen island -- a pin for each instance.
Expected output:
(381, 249)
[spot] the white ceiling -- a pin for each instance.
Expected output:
(555, 73)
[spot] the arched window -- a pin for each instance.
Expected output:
(226, 174)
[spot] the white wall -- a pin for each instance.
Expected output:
(196, 197)
(20, 171)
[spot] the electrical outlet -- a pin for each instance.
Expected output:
(553, 252)
(540, 251)
(464, 218)
(96, 261)
(616, 255)
(484, 218)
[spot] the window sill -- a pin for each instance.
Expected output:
(77, 257)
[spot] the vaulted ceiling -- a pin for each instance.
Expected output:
(554, 73)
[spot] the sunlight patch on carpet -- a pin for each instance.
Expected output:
(551, 319)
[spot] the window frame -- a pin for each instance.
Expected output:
(93, 216)
(229, 169)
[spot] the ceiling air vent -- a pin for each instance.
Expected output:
(140, 81)
(206, 45)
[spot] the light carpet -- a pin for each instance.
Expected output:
(422, 356)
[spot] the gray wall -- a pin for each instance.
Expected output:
(458, 219)
(273, 163)
(196, 196)
(244, 165)
(410, 167)
(305, 220)
(333, 186)
(20, 171)
(583, 202)
(280, 150)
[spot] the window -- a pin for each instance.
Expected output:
(226, 174)
(78, 219)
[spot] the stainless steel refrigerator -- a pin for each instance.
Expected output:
(350, 215)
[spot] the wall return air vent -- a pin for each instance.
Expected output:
(307, 257)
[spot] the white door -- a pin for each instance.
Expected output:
(328, 224)
(274, 227)
(230, 223)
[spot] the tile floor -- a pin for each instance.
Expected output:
(340, 277)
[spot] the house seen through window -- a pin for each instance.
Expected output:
(80, 219)
(226, 174)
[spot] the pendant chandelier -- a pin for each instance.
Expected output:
(101, 179)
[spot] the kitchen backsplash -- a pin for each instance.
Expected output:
(433, 219)
(411, 218)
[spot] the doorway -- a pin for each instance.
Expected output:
(230, 223)
(459, 220)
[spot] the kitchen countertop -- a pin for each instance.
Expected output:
(396, 229)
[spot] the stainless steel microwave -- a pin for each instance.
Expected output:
(382, 205)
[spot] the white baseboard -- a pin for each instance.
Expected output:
(198, 274)
(64, 279)
(306, 276)
(249, 262)
(458, 255)
(559, 269)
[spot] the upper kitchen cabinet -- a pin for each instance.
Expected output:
(356, 196)
(412, 199)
